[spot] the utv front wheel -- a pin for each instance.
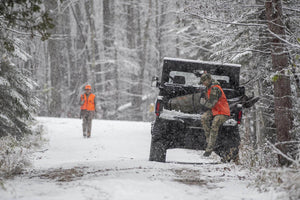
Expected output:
(158, 149)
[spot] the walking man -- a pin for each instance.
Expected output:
(87, 110)
(216, 101)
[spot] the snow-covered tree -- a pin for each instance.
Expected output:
(17, 102)
(22, 18)
(237, 31)
(19, 20)
(117, 46)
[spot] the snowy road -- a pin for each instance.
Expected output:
(113, 165)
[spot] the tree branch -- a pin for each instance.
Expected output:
(277, 151)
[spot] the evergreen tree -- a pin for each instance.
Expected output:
(16, 100)
(22, 17)
(18, 19)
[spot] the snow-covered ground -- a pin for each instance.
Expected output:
(113, 165)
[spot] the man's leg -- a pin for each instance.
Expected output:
(84, 123)
(89, 123)
(205, 120)
(216, 123)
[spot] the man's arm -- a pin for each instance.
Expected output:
(95, 102)
(214, 97)
(81, 100)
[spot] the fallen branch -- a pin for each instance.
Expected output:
(283, 155)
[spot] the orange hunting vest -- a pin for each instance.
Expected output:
(88, 104)
(221, 107)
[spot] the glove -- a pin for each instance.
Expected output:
(170, 104)
(202, 101)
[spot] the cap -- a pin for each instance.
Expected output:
(205, 77)
(88, 87)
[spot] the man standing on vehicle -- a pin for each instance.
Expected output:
(218, 111)
(88, 109)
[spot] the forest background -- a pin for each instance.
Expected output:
(118, 45)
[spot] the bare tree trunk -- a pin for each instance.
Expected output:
(137, 90)
(55, 59)
(109, 53)
(177, 37)
(158, 34)
(93, 46)
(282, 87)
(130, 27)
(117, 83)
(142, 42)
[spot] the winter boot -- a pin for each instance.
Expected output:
(207, 153)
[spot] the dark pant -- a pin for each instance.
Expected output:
(87, 117)
(211, 125)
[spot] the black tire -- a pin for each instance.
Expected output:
(189, 140)
(158, 148)
(195, 139)
(227, 146)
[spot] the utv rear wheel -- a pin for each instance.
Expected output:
(231, 154)
(228, 144)
(157, 152)
(158, 148)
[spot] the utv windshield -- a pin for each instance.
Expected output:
(188, 72)
(193, 79)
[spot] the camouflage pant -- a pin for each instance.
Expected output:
(87, 117)
(211, 125)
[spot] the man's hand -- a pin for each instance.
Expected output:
(82, 99)
(202, 101)
(82, 102)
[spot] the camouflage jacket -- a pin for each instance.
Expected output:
(215, 95)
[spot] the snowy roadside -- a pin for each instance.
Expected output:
(113, 164)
